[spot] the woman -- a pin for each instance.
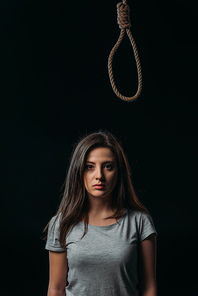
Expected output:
(102, 241)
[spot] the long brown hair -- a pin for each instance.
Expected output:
(73, 207)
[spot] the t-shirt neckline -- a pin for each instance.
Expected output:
(107, 226)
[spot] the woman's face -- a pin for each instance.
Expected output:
(100, 176)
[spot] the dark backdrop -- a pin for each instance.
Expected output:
(55, 88)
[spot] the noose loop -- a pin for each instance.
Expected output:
(124, 23)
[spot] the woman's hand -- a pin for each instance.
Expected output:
(57, 273)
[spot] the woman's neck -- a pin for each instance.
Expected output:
(100, 206)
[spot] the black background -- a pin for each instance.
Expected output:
(55, 88)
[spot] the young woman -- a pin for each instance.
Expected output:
(102, 241)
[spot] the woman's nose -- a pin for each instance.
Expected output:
(99, 173)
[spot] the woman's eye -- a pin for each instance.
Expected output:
(89, 167)
(108, 166)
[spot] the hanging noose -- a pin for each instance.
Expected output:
(124, 23)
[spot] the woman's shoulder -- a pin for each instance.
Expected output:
(139, 217)
(52, 243)
(55, 222)
(143, 221)
(137, 214)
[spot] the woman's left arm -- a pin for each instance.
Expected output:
(147, 266)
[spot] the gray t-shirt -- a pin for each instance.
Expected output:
(104, 261)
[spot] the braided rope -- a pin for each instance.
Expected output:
(123, 12)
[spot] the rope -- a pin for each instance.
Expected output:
(124, 23)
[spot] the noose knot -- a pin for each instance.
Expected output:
(123, 18)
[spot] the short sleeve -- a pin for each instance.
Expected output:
(146, 226)
(52, 243)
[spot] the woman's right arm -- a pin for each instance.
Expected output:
(57, 273)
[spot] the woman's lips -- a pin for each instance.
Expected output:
(99, 186)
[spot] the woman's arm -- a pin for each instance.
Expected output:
(57, 273)
(147, 266)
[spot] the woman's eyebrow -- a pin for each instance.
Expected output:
(105, 162)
